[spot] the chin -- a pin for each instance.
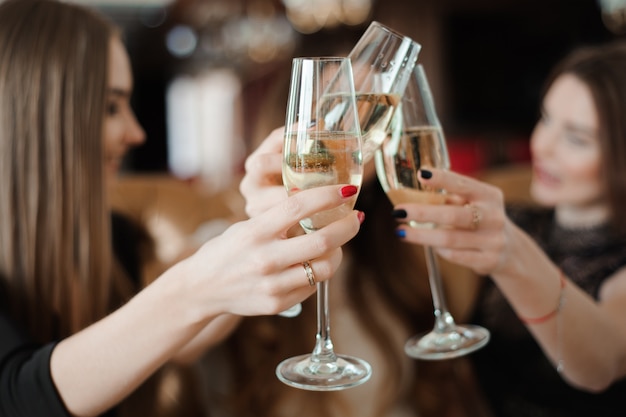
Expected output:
(111, 173)
(543, 196)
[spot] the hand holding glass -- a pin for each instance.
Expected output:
(322, 147)
(416, 141)
(382, 62)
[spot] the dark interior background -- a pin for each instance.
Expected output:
(486, 61)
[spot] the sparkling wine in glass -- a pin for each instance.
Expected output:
(382, 61)
(322, 147)
(416, 141)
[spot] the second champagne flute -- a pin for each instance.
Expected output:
(322, 147)
(382, 61)
(416, 141)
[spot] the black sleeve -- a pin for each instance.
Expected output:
(26, 387)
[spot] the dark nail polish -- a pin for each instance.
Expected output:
(399, 214)
(426, 174)
(401, 233)
(348, 191)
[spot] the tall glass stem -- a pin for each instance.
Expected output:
(444, 322)
(323, 350)
(446, 340)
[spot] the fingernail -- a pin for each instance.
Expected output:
(400, 232)
(399, 214)
(348, 190)
(361, 216)
(426, 174)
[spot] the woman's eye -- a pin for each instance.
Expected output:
(112, 108)
(576, 139)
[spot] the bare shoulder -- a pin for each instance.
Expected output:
(614, 288)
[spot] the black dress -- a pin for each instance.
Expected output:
(515, 375)
(26, 387)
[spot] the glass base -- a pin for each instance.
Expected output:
(292, 311)
(437, 345)
(304, 373)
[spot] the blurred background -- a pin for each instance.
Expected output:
(211, 76)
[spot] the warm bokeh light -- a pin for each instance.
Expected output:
(309, 16)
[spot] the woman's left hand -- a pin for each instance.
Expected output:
(262, 186)
(472, 227)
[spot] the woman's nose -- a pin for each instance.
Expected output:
(541, 140)
(135, 134)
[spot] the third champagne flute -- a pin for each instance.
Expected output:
(322, 147)
(382, 62)
(416, 141)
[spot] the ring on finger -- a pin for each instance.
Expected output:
(476, 216)
(309, 273)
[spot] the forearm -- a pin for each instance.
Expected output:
(215, 332)
(582, 336)
(96, 368)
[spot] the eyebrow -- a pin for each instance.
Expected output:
(118, 92)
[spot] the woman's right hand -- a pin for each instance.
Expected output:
(254, 268)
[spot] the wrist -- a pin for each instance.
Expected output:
(533, 320)
(182, 291)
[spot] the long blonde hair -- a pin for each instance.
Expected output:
(55, 245)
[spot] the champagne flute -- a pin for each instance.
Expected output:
(322, 147)
(416, 141)
(382, 62)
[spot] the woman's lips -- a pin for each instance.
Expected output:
(545, 177)
(113, 163)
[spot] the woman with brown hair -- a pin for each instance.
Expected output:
(556, 298)
(77, 333)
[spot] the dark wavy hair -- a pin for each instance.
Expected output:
(602, 68)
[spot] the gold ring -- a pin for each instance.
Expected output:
(476, 216)
(309, 273)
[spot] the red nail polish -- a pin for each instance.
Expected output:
(361, 216)
(348, 190)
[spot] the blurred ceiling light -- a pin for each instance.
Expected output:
(124, 3)
(181, 41)
(309, 16)
(152, 17)
(614, 15)
(235, 32)
(261, 39)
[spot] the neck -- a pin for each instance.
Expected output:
(582, 217)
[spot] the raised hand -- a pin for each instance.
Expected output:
(254, 269)
(262, 185)
(473, 229)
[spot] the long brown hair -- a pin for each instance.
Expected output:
(55, 245)
(603, 69)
